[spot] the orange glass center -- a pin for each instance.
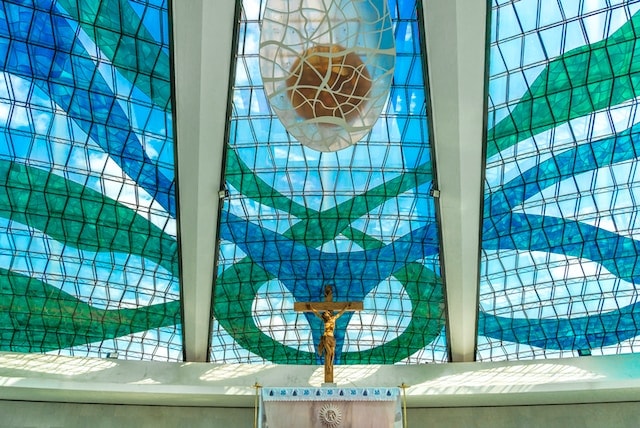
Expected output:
(325, 81)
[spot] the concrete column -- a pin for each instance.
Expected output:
(455, 34)
(202, 34)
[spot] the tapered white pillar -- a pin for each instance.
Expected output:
(455, 34)
(202, 41)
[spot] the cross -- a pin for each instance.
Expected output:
(327, 345)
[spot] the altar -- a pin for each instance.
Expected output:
(330, 407)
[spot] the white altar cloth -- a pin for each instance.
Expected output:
(330, 407)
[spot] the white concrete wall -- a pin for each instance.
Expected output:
(594, 415)
(35, 377)
(22, 414)
(50, 391)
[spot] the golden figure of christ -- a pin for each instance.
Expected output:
(328, 311)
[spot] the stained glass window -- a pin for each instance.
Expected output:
(361, 218)
(560, 234)
(88, 250)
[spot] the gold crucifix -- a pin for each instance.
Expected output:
(327, 345)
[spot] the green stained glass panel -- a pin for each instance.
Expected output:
(560, 238)
(360, 218)
(88, 249)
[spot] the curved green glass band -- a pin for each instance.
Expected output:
(37, 317)
(243, 280)
(581, 81)
(121, 35)
(60, 208)
(333, 220)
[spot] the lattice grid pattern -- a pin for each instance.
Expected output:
(560, 234)
(88, 250)
(327, 67)
(361, 218)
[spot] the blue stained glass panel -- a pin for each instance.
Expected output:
(560, 237)
(88, 249)
(360, 219)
